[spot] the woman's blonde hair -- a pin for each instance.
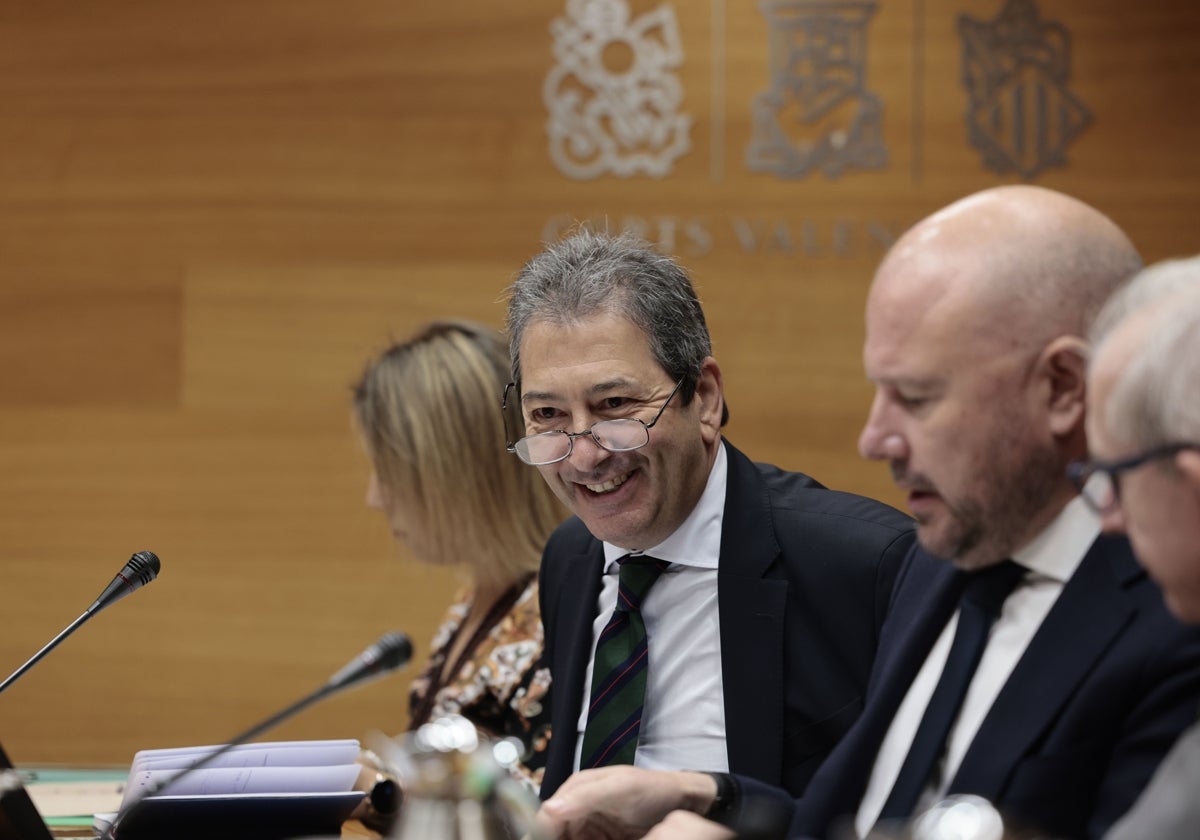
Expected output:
(429, 412)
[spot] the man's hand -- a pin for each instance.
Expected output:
(684, 825)
(620, 803)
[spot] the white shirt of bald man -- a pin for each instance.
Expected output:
(1051, 559)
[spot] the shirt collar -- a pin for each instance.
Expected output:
(1059, 549)
(697, 542)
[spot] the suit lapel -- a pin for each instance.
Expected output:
(1089, 613)
(572, 631)
(751, 612)
(926, 595)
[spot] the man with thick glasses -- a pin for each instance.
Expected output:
(1144, 480)
(702, 612)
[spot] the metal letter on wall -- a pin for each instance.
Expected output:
(613, 101)
(1020, 114)
(817, 113)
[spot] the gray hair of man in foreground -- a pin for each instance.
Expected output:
(1156, 399)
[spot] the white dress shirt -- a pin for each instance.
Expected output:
(683, 719)
(1051, 559)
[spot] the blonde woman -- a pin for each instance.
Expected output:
(428, 410)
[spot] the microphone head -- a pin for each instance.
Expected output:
(142, 568)
(391, 651)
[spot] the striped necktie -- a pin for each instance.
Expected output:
(619, 671)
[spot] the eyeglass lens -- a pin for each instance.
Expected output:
(1101, 491)
(613, 435)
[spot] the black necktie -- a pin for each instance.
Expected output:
(982, 597)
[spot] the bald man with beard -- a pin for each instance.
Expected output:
(1079, 680)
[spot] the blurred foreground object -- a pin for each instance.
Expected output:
(958, 817)
(962, 817)
(457, 783)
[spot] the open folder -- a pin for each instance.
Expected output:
(263, 791)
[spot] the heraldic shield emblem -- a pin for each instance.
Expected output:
(817, 113)
(612, 97)
(1020, 114)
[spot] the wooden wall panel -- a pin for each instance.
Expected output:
(210, 214)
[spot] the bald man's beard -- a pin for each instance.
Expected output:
(990, 521)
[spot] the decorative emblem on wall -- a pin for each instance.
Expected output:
(1020, 114)
(817, 114)
(612, 99)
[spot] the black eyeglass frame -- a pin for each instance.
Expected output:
(511, 446)
(1081, 472)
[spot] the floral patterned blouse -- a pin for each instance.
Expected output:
(495, 683)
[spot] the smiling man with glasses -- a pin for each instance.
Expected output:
(1144, 480)
(702, 612)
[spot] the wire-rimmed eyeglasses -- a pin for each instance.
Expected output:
(621, 435)
(1099, 483)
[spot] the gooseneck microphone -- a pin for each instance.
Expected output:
(141, 569)
(392, 651)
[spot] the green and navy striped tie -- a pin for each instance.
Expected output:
(619, 671)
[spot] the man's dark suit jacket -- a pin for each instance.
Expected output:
(804, 579)
(1106, 685)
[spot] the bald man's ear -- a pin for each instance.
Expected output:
(1188, 464)
(1063, 364)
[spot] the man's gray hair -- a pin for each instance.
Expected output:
(592, 273)
(1155, 400)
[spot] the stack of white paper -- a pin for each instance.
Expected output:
(276, 789)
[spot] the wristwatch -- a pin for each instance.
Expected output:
(722, 807)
